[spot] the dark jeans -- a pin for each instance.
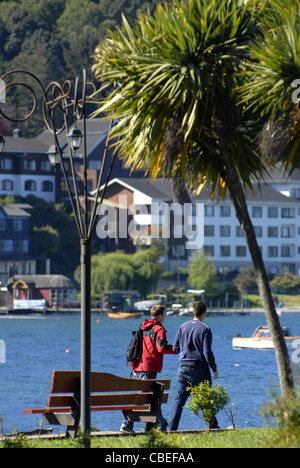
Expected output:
(162, 423)
(187, 377)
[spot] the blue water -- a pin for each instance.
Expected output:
(37, 345)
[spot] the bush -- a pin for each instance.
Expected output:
(285, 412)
(208, 400)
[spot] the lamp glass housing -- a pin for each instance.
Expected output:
(75, 137)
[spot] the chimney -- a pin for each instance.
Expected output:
(16, 133)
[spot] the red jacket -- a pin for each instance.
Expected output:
(155, 345)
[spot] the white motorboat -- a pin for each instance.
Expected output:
(261, 339)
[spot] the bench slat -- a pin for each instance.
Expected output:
(97, 408)
(105, 399)
(63, 382)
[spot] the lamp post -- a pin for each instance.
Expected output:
(64, 100)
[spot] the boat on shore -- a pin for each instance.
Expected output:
(261, 339)
(124, 315)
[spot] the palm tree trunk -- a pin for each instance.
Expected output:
(239, 200)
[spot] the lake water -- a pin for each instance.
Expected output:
(37, 345)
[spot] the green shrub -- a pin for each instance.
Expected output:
(285, 413)
(208, 400)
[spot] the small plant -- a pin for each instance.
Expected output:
(208, 400)
(285, 413)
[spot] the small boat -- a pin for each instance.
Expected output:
(124, 315)
(261, 339)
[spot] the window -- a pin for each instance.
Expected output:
(295, 193)
(225, 250)
(258, 231)
(30, 185)
(224, 231)
(209, 210)
(7, 185)
(18, 224)
(288, 212)
(6, 164)
(225, 211)
(209, 250)
(47, 186)
(272, 231)
(287, 231)
(272, 212)
(209, 231)
(272, 252)
(286, 251)
(18, 246)
(239, 232)
(256, 211)
(30, 165)
(46, 166)
(241, 251)
(2, 224)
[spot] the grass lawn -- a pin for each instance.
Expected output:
(288, 300)
(240, 438)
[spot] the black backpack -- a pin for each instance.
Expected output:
(135, 349)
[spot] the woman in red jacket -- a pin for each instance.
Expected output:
(155, 345)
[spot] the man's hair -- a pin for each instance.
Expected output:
(199, 308)
(157, 310)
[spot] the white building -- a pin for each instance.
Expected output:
(274, 207)
(275, 214)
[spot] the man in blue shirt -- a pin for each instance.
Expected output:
(193, 341)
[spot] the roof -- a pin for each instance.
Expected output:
(280, 174)
(261, 193)
(24, 145)
(158, 189)
(16, 209)
(96, 131)
(43, 281)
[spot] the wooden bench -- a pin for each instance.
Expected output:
(139, 400)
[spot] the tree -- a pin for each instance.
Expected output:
(245, 280)
(286, 282)
(203, 274)
(176, 77)
(118, 270)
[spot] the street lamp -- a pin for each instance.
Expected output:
(75, 138)
(53, 156)
(64, 100)
(2, 143)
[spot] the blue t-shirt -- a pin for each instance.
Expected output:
(193, 341)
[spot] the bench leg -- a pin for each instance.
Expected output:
(71, 432)
(156, 404)
(71, 420)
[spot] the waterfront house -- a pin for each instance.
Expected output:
(15, 256)
(35, 291)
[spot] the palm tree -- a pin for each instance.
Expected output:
(173, 81)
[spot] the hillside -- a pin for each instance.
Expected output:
(55, 39)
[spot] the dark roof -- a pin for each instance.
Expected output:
(44, 281)
(280, 174)
(24, 145)
(96, 131)
(261, 192)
